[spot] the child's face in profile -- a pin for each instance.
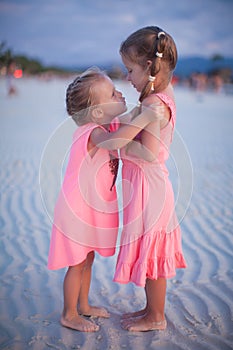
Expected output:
(108, 99)
(136, 74)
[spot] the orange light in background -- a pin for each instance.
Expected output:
(18, 73)
(175, 80)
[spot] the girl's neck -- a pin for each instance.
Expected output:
(168, 90)
(105, 125)
(163, 80)
(162, 85)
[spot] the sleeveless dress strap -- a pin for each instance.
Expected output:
(171, 105)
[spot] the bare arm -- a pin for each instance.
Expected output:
(148, 148)
(125, 133)
(127, 117)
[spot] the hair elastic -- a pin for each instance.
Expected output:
(159, 54)
(151, 78)
(139, 104)
(161, 33)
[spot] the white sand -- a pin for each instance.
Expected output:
(199, 303)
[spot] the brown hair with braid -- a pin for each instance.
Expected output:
(79, 97)
(144, 45)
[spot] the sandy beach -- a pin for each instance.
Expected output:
(35, 138)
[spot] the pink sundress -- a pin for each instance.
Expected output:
(86, 211)
(151, 237)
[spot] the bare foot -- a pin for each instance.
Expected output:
(134, 314)
(94, 312)
(144, 324)
(131, 317)
(79, 324)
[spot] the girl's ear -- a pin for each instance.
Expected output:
(148, 64)
(96, 114)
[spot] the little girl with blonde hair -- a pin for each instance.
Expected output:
(86, 211)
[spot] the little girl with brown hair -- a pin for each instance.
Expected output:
(150, 248)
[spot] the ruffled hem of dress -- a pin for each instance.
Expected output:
(160, 267)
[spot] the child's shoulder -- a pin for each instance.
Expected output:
(165, 97)
(150, 100)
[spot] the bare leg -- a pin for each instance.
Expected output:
(84, 307)
(154, 319)
(70, 317)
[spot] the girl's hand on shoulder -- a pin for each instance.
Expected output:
(156, 106)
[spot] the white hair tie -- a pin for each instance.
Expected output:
(159, 54)
(139, 104)
(151, 78)
(161, 33)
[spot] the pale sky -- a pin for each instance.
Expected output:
(85, 32)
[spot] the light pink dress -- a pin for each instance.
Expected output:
(86, 212)
(151, 236)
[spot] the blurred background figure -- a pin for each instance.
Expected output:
(11, 67)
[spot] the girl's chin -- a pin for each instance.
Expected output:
(138, 90)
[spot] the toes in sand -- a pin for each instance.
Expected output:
(78, 323)
(143, 325)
